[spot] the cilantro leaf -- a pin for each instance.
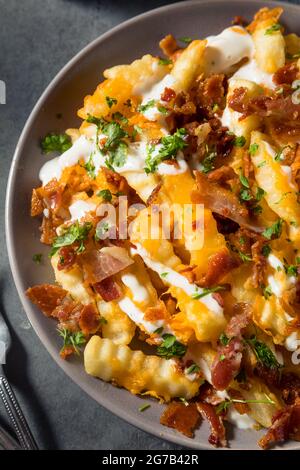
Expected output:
(253, 149)
(56, 143)
(74, 233)
(170, 145)
(239, 141)
(110, 101)
(105, 194)
(274, 231)
(244, 181)
(90, 167)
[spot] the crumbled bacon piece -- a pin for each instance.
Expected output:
(219, 264)
(239, 21)
(37, 205)
(155, 313)
(259, 263)
(46, 296)
(168, 95)
(221, 200)
(286, 74)
(184, 419)
(99, 264)
(222, 175)
(217, 436)
(89, 319)
(285, 425)
(108, 289)
(153, 196)
(227, 362)
(48, 230)
(168, 45)
(67, 258)
(290, 387)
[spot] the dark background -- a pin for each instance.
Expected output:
(37, 38)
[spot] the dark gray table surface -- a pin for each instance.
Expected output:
(37, 37)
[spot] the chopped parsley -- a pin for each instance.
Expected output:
(224, 340)
(162, 109)
(275, 27)
(207, 291)
(105, 194)
(239, 141)
(192, 369)
(259, 194)
(158, 331)
(261, 164)
(222, 357)
(266, 250)
(244, 181)
(75, 339)
(244, 257)
(169, 146)
(263, 353)
(274, 231)
(163, 275)
(144, 107)
(117, 116)
(253, 149)
(37, 258)
(267, 292)
(186, 39)
(144, 407)
(291, 270)
(56, 143)
(74, 233)
(245, 195)
(90, 167)
(163, 61)
(110, 101)
(207, 163)
(170, 347)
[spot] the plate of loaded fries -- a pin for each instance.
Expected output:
(153, 229)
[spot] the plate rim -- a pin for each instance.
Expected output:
(104, 401)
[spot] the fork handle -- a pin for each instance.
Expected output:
(16, 416)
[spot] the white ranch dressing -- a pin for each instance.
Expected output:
(175, 279)
(140, 293)
(80, 208)
(227, 49)
(250, 71)
(137, 316)
(292, 342)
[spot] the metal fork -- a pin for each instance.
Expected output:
(8, 397)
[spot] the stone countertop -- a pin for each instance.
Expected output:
(37, 38)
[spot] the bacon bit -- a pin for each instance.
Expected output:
(217, 436)
(108, 289)
(66, 352)
(295, 166)
(239, 21)
(227, 362)
(247, 164)
(115, 179)
(184, 419)
(218, 298)
(222, 175)
(68, 313)
(183, 104)
(158, 312)
(219, 264)
(286, 74)
(48, 230)
(290, 388)
(46, 296)
(168, 45)
(221, 200)
(153, 196)
(212, 91)
(285, 425)
(37, 205)
(270, 376)
(52, 192)
(67, 258)
(168, 95)
(89, 319)
(99, 264)
(259, 263)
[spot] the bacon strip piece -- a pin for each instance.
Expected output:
(46, 296)
(285, 425)
(101, 264)
(184, 419)
(221, 201)
(108, 289)
(227, 362)
(217, 436)
(219, 264)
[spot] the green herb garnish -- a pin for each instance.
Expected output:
(75, 339)
(207, 291)
(105, 194)
(263, 353)
(239, 141)
(163, 61)
(144, 407)
(253, 149)
(170, 347)
(37, 258)
(74, 233)
(274, 231)
(56, 143)
(192, 369)
(275, 27)
(110, 101)
(144, 107)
